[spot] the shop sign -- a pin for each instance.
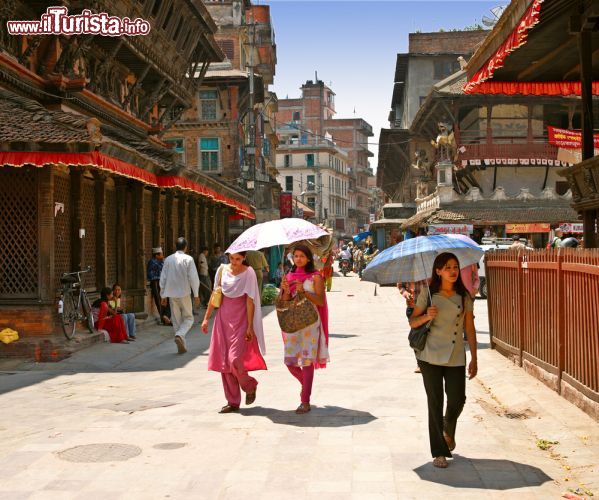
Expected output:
(571, 227)
(450, 229)
(285, 208)
(570, 139)
(527, 228)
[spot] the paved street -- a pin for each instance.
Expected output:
(365, 438)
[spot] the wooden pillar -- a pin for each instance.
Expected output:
(169, 238)
(182, 215)
(589, 224)
(45, 203)
(586, 84)
(202, 223)
(489, 128)
(192, 218)
(122, 250)
(156, 235)
(227, 229)
(101, 241)
(211, 220)
(77, 218)
(139, 277)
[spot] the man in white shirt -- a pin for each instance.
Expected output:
(179, 276)
(203, 271)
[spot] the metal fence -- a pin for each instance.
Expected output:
(544, 309)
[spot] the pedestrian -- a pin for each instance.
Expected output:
(153, 270)
(128, 318)
(327, 271)
(215, 261)
(410, 291)
(205, 283)
(556, 242)
(306, 349)
(179, 277)
(470, 278)
(257, 261)
(106, 318)
(237, 342)
(517, 244)
(443, 359)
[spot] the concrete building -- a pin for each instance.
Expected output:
(308, 122)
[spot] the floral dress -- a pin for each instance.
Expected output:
(307, 346)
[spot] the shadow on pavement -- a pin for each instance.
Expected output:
(325, 416)
(494, 474)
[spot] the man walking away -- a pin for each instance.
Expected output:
(258, 263)
(179, 276)
(205, 283)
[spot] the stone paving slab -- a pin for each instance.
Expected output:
(366, 437)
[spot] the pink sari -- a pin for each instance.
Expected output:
(323, 311)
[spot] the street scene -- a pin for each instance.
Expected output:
(299, 249)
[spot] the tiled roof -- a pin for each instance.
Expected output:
(26, 120)
(496, 215)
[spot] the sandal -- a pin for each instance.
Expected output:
(440, 462)
(229, 409)
(250, 397)
(303, 408)
(450, 441)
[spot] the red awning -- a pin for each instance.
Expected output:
(104, 162)
(530, 88)
(516, 39)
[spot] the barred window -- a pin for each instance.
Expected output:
(208, 100)
(210, 154)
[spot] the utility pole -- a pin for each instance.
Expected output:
(251, 149)
(321, 136)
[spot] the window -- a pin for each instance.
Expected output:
(311, 202)
(289, 183)
(266, 147)
(442, 69)
(310, 159)
(287, 160)
(296, 116)
(311, 182)
(209, 153)
(178, 145)
(304, 139)
(208, 100)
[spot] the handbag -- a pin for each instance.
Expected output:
(216, 297)
(417, 335)
(295, 314)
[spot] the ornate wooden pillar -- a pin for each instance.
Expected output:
(156, 236)
(192, 218)
(139, 278)
(101, 241)
(182, 215)
(45, 203)
(202, 223)
(122, 247)
(227, 236)
(169, 238)
(77, 218)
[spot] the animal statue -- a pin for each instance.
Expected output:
(423, 164)
(445, 143)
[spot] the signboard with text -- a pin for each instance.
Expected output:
(527, 228)
(570, 139)
(450, 229)
(285, 209)
(571, 227)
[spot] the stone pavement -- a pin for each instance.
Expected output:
(138, 421)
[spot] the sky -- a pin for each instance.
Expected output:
(353, 45)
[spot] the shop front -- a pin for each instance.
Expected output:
(537, 234)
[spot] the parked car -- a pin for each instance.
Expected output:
(490, 245)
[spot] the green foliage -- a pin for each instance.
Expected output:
(269, 294)
(543, 444)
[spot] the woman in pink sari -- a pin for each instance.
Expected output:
(237, 342)
(306, 349)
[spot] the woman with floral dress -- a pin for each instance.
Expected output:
(306, 349)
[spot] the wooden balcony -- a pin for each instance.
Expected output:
(507, 147)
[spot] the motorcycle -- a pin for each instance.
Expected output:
(345, 266)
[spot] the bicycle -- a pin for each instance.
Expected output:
(74, 305)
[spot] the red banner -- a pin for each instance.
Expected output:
(285, 208)
(569, 139)
(527, 228)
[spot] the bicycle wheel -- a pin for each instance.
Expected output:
(69, 315)
(87, 311)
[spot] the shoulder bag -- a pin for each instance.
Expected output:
(295, 314)
(216, 297)
(417, 336)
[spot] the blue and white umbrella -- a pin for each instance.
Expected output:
(412, 260)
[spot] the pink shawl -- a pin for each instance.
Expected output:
(323, 311)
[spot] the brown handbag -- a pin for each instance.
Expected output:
(295, 314)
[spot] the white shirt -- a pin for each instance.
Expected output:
(179, 276)
(203, 262)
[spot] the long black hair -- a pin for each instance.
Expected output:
(440, 262)
(309, 267)
(104, 293)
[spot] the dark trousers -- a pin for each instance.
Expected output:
(433, 377)
(162, 310)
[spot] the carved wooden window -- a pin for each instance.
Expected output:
(62, 226)
(208, 104)
(210, 154)
(18, 233)
(228, 47)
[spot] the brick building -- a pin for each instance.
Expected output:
(216, 133)
(85, 178)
